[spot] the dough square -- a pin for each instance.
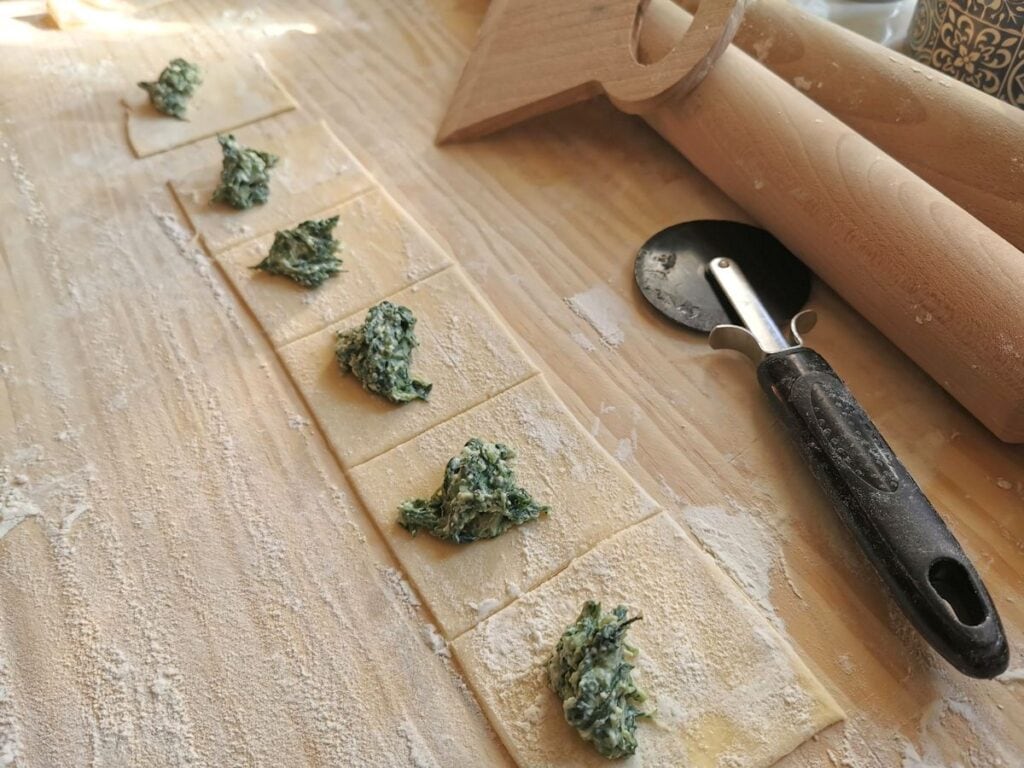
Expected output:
(233, 93)
(558, 462)
(465, 352)
(382, 250)
(728, 690)
(68, 14)
(314, 172)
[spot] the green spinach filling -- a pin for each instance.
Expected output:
(305, 254)
(591, 673)
(478, 499)
(379, 353)
(244, 176)
(171, 91)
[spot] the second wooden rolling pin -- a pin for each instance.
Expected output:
(963, 142)
(941, 285)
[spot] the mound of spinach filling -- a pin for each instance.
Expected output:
(306, 254)
(379, 353)
(244, 176)
(478, 499)
(590, 672)
(171, 91)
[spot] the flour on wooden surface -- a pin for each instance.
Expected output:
(400, 587)
(419, 753)
(10, 748)
(435, 640)
(581, 339)
(187, 246)
(1010, 676)
(35, 211)
(36, 214)
(15, 507)
(953, 734)
(625, 449)
(604, 310)
(846, 664)
(297, 421)
(763, 47)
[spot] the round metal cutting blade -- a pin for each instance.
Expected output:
(670, 271)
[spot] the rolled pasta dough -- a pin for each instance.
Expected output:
(382, 251)
(558, 462)
(313, 173)
(726, 688)
(465, 352)
(233, 93)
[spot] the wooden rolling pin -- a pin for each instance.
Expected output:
(963, 142)
(936, 281)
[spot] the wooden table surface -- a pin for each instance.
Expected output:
(197, 585)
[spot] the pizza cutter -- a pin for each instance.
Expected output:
(742, 286)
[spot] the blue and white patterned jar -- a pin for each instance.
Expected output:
(979, 42)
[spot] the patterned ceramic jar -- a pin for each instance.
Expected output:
(980, 42)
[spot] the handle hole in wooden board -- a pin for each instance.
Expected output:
(954, 585)
(653, 39)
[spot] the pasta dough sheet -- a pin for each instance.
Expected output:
(314, 173)
(68, 14)
(560, 464)
(382, 251)
(464, 351)
(232, 94)
(727, 689)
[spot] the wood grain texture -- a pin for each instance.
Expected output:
(135, 388)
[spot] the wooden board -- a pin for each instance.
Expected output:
(191, 518)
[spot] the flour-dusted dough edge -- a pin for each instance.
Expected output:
(233, 94)
(314, 172)
(558, 462)
(465, 352)
(727, 688)
(382, 250)
(68, 14)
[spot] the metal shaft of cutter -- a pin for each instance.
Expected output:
(727, 274)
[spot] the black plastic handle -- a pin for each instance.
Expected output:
(897, 527)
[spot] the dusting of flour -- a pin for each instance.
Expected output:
(15, 507)
(600, 307)
(746, 548)
(1012, 676)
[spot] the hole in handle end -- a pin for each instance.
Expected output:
(954, 585)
